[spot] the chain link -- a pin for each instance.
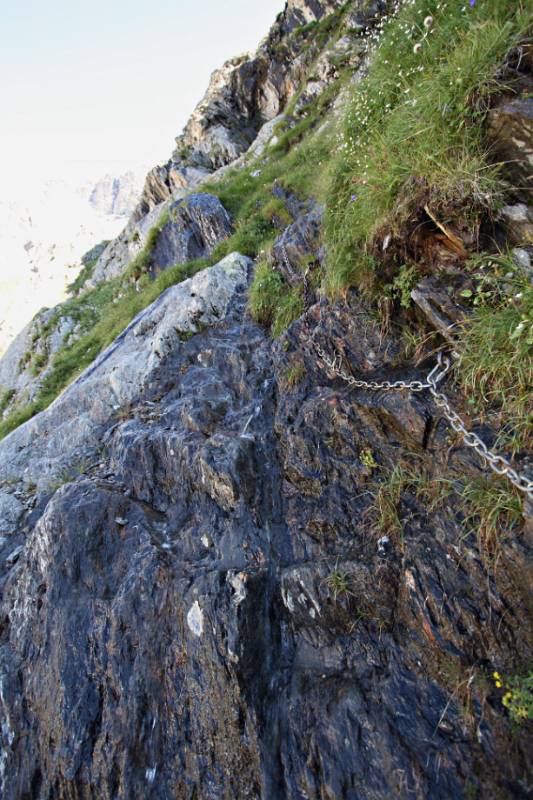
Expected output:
(497, 463)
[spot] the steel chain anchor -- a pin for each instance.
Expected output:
(497, 463)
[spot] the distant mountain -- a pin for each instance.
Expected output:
(44, 234)
(116, 196)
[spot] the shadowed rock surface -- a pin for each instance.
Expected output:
(170, 624)
(224, 573)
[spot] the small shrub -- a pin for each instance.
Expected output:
(518, 695)
(339, 583)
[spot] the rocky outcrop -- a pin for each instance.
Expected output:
(224, 572)
(191, 228)
(27, 359)
(244, 94)
(236, 118)
(299, 247)
(207, 606)
(46, 445)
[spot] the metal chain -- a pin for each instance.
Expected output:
(497, 463)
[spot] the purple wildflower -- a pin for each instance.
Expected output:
(472, 3)
(353, 197)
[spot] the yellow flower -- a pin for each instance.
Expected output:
(499, 684)
(496, 675)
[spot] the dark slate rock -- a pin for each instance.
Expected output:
(301, 244)
(196, 224)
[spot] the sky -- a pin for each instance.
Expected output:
(103, 86)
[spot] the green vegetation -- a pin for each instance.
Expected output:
(339, 583)
(411, 152)
(141, 263)
(489, 506)
(367, 458)
(387, 502)
(518, 695)
(492, 508)
(5, 399)
(295, 374)
(272, 302)
(495, 345)
(413, 133)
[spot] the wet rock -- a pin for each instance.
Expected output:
(241, 622)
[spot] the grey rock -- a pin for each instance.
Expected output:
(510, 129)
(301, 241)
(197, 223)
(40, 338)
(38, 448)
(518, 222)
(251, 634)
(11, 511)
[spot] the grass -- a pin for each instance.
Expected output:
(339, 583)
(493, 509)
(496, 370)
(295, 374)
(412, 138)
(413, 133)
(141, 263)
(430, 492)
(387, 501)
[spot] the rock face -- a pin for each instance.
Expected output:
(194, 226)
(245, 93)
(225, 573)
(510, 128)
(206, 607)
(235, 119)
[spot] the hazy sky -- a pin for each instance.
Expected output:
(107, 84)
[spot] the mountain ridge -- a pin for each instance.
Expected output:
(235, 560)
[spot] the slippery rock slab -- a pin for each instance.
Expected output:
(40, 447)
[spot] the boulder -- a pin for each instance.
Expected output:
(195, 225)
